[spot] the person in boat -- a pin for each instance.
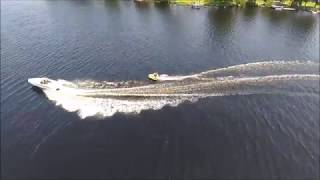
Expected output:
(45, 81)
(154, 76)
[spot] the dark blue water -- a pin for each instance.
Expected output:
(252, 136)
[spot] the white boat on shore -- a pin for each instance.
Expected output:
(289, 9)
(280, 8)
(276, 6)
(196, 5)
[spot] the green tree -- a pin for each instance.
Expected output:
(240, 3)
(268, 2)
(296, 3)
(316, 2)
(222, 2)
(251, 3)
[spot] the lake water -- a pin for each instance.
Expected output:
(249, 135)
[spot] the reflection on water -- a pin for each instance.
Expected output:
(142, 4)
(162, 4)
(111, 4)
(124, 40)
(83, 3)
(222, 19)
(250, 12)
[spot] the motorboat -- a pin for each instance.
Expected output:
(43, 83)
(154, 76)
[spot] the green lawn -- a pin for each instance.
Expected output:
(308, 4)
(190, 2)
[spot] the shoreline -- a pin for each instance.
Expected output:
(304, 6)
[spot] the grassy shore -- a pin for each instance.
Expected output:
(259, 3)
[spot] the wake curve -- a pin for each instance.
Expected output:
(90, 98)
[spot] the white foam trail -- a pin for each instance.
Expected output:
(90, 98)
(265, 68)
(252, 69)
(165, 77)
(262, 68)
(197, 88)
(99, 106)
(104, 107)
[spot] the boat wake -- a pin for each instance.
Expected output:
(91, 98)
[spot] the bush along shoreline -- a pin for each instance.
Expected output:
(306, 5)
